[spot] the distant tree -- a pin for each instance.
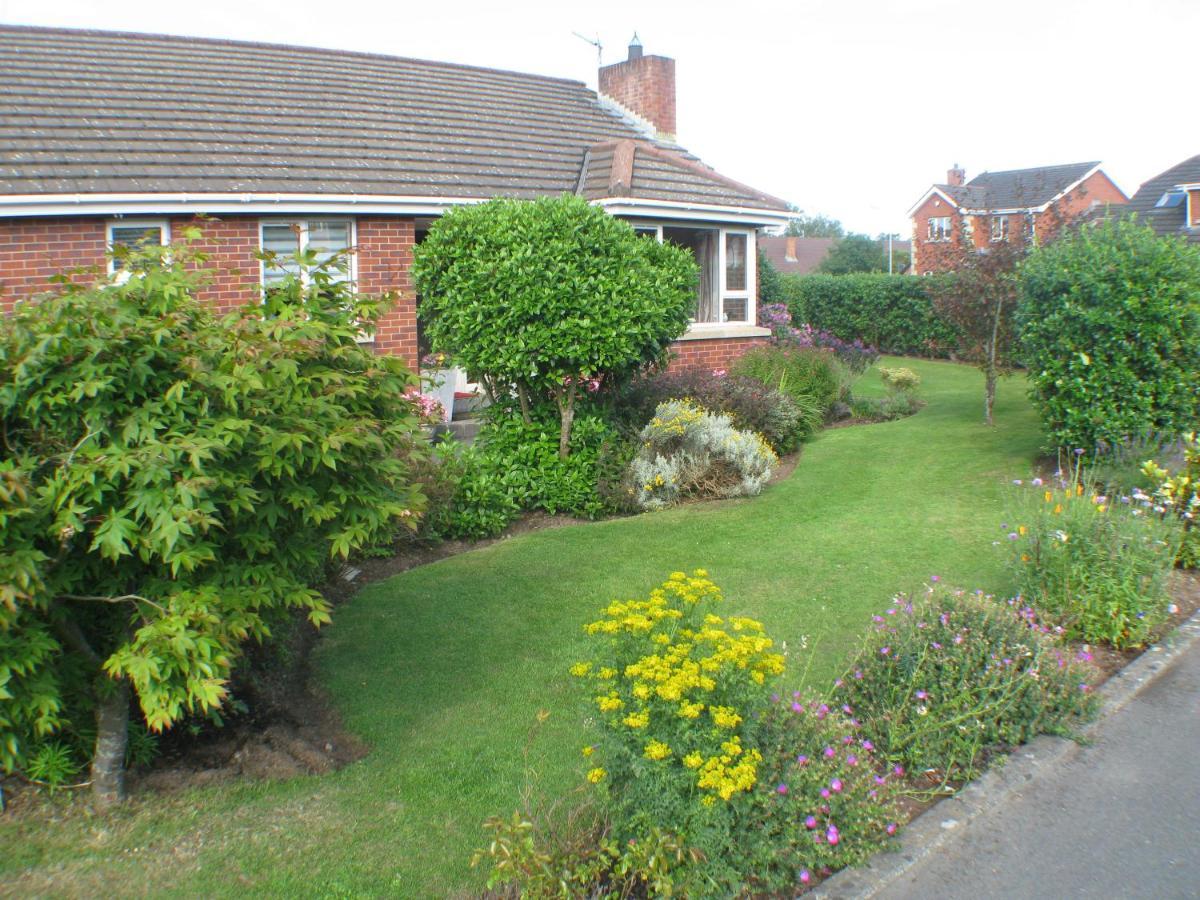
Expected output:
(854, 253)
(803, 225)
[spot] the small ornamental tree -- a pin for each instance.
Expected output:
(171, 481)
(1110, 330)
(534, 298)
(979, 299)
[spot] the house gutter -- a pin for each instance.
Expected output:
(131, 204)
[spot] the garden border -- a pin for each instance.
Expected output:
(934, 828)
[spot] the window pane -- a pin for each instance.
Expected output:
(646, 231)
(735, 262)
(703, 244)
(136, 236)
(735, 310)
(329, 237)
(284, 242)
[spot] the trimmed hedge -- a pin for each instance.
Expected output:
(893, 313)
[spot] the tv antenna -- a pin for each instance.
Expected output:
(595, 42)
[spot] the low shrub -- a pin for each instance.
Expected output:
(694, 752)
(900, 380)
(894, 313)
(1181, 491)
(473, 499)
(901, 399)
(689, 453)
(752, 406)
(515, 466)
(1096, 565)
(943, 680)
(804, 374)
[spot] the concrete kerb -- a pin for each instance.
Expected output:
(938, 825)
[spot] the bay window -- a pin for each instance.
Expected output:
(726, 286)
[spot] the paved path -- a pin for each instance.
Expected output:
(1120, 819)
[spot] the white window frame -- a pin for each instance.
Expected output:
(749, 294)
(943, 234)
(301, 224)
(164, 236)
(999, 227)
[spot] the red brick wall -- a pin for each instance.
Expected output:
(934, 256)
(230, 243)
(718, 353)
(1097, 188)
(384, 260)
(1193, 202)
(31, 250)
(646, 86)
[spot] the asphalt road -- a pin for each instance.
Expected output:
(1120, 819)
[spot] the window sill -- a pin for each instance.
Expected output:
(728, 330)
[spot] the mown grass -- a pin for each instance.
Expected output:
(443, 669)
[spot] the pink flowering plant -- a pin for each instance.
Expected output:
(826, 799)
(943, 680)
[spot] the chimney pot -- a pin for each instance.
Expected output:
(635, 47)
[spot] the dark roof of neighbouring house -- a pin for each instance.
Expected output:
(101, 112)
(1168, 219)
(1017, 188)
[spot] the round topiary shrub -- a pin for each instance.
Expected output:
(1110, 330)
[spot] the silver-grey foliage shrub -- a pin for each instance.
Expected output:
(688, 452)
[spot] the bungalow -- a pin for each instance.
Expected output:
(1015, 205)
(108, 137)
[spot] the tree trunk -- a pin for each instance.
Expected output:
(989, 372)
(112, 734)
(567, 412)
(989, 394)
(523, 397)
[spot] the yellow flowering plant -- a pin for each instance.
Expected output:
(677, 691)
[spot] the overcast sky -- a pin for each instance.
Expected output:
(851, 109)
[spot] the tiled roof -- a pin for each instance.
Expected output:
(1018, 188)
(809, 252)
(1167, 219)
(100, 112)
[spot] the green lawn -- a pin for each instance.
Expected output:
(443, 669)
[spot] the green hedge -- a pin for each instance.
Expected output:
(893, 313)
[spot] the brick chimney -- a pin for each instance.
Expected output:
(644, 85)
(956, 177)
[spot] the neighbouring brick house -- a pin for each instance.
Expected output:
(1170, 202)
(1002, 206)
(106, 138)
